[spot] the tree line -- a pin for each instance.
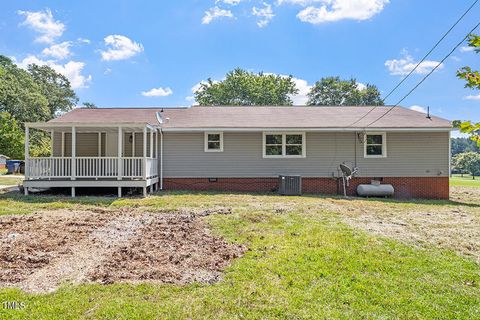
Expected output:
(244, 88)
(38, 93)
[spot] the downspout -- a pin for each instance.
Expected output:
(161, 159)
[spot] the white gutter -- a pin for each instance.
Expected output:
(425, 129)
(41, 125)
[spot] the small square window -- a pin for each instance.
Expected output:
(213, 141)
(375, 145)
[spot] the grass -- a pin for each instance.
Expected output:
(465, 181)
(302, 262)
(10, 181)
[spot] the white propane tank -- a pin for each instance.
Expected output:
(375, 190)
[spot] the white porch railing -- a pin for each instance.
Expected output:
(53, 167)
(152, 167)
(99, 167)
(91, 167)
(133, 167)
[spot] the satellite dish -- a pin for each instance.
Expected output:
(347, 171)
(347, 174)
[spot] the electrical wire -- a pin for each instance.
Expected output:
(431, 50)
(419, 63)
(427, 75)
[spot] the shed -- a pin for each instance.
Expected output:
(3, 161)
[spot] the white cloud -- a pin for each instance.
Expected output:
(157, 92)
(403, 66)
(467, 49)
(107, 71)
(59, 51)
(43, 23)
(361, 86)
(265, 14)
(472, 97)
(304, 88)
(72, 70)
(419, 109)
(83, 40)
(229, 2)
(121, 48)
(215, 13)
(335, 10)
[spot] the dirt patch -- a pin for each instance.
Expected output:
(468, 195)
(41, 251)
(454, 227)
(175, 248)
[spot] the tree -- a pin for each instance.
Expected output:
(20, 95)
(55, 87)
(460, 145)
(332, 91)
(468, 161)
(89, 105)
(11, 137)
(472, 78)
(241, 87)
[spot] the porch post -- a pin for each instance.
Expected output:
(133, 144)
(52, 133)
(99, 144)
(119, 154)
(145, 153)
(151, 143)
(27, 156)
(74, 155)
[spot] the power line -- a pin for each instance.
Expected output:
(419, 63)
(431, 50)
(427, 75)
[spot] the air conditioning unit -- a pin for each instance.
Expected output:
(290, 185)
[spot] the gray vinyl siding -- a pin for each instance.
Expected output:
(87, 144)
(127, 151)
(409, 154)
(57, 144)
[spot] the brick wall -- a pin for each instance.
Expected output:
(405, 187)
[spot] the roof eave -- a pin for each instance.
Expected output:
(391, 129)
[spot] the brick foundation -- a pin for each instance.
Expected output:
(405, 187)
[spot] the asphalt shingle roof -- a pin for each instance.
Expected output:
(260, 117)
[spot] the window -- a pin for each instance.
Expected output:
(213, 141)
(375, 145)
(284, 145)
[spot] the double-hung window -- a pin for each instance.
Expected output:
(375, 145)
(284, 145)
(213, 141)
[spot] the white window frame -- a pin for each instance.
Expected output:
(384, 145)
(206, 141)
(284, 145)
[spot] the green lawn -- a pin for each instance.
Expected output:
(303, 261)
(10, 181)
(465, 181)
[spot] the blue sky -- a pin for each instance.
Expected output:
(152, 53)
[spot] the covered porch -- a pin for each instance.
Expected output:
(82, 155)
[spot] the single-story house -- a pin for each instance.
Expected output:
(244, 149)
(3, 161)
